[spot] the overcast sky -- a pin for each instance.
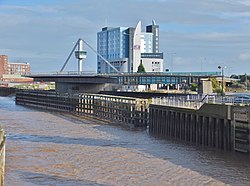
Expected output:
(195, 35)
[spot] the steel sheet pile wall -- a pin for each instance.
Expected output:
(2, 156)
(215, 125)
(114, 108)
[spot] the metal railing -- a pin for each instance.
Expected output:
(83, 73)
(177, 102)
(196, 101)
(126, 73)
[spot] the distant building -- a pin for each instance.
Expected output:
(13, 72)
(126, 47)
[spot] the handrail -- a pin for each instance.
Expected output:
(204, 97)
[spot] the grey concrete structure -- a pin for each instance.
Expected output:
(79, 83)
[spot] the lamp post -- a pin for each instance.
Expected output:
(222, 79)
(246, 80)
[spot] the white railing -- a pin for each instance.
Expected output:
(195, 101)
(83, 73)
(177, 102)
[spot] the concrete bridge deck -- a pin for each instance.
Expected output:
(125, 78)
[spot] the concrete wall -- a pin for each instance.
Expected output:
(215, 110)
(205, 87)
(152, 64)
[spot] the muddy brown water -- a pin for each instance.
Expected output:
(49, 148)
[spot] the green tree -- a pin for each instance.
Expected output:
(215, 85)
(234, 76)
(141, 68)
(194, 87)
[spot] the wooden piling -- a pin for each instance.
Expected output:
(2, 156)
(113, 108)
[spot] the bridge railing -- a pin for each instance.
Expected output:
(84, 73)
(127, 73)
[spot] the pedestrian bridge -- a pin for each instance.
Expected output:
(92, 82)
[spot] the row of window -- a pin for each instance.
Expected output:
(150, 80)
(156, 63)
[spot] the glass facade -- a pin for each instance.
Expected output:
(126, 47)
(112, 44)
(146, 42)
(163, 78)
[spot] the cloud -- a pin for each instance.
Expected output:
(244, 2)
(245, 56)
(44, 31)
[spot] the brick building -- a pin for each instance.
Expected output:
(13, 72)
(3, 64)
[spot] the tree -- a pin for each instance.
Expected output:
(234, 76)
(216, 86)
(194, 87)
(141, 68)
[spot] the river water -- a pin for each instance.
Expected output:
(46, 148)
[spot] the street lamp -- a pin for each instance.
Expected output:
(222, 79)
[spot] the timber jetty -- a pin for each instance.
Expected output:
(216, 125)
(130, 111)
(6, 91)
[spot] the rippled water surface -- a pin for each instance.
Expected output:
(45, 148)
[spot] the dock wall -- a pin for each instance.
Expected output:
(219, 126)
(131, 111)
